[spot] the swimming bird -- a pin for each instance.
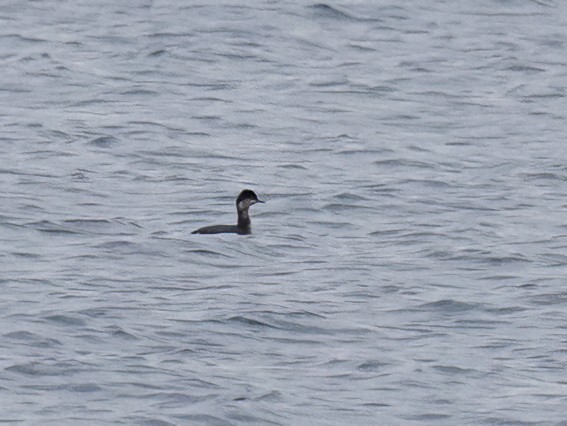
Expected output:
(245, 199)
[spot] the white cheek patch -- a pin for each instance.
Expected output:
(244, 204)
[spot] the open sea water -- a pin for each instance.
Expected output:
(408, 267)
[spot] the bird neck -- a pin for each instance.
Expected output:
(243, 218)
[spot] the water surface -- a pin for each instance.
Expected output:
(407, 268)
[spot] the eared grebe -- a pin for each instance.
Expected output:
(245, 199)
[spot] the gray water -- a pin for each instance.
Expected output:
(408, 267)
